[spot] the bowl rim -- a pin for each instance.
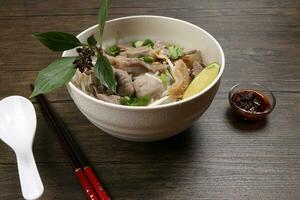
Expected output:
(176, 103)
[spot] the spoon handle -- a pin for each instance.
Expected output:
(31, 184)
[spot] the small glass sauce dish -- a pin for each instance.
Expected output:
(251, 101)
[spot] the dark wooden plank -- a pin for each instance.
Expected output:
(170, 181)
(219, 157)
(79, 7)
(213, 159)
(217, 127)
(251, 43)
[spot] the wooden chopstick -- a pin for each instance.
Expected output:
(88, 179)
(88, 189)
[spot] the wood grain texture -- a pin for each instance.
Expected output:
(219, 157)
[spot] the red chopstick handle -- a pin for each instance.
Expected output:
(96, 183)
(86, 185)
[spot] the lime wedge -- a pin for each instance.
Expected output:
(202, 80)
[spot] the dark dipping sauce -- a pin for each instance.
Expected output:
(251, 101)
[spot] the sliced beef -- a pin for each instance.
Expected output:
(157, 66)
(160, 46)
(189, 59)
(124, 46)
(134, 65)
(160, 50)
(132, 52)
(115, 99)
(147, 86)
(102, 95)
(197, 68)
(125, 84)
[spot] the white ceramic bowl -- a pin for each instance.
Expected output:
(150, 123)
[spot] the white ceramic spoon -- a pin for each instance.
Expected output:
(17, 130)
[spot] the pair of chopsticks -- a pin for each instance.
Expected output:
(85, 174)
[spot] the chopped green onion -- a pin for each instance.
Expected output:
(138, 43)
(175, 52)
(165, 79)
(113, 50)
(125, 100)
(132, 101)
(148, 43)
(147, 59)
(167, 72)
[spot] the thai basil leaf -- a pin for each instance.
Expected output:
(92, 41)
(102, 18)
(105, 73)
(57, 74)
(132, 101)
(58, 41)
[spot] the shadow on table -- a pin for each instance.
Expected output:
(163, 163)
(244, 125)
(173, 147)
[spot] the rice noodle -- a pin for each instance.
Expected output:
(160, 101)
(82, 81)
(171, 66)
(153, 76)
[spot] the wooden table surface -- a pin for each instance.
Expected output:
(219, 157)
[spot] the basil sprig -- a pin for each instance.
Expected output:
(58, 41)
(61, 71)
(105, 73)
(57, 74)
(103, 68)
(102, 18)
(91, 41)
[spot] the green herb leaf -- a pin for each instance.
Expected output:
(105, 73)
(148, 43)
(138, 43)
(175, 52)
(102, 18)
(57, 74)
(165, 79)
(92, 41)
(113, 50)
(58, 41)
(125, 100)
(132, 101)
(147, 59)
